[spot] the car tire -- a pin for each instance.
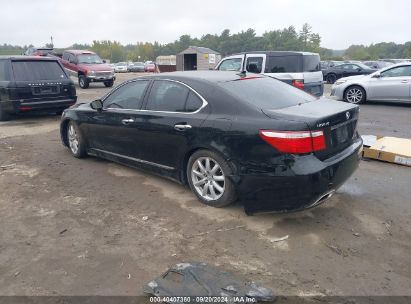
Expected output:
(207, 174)
(109, 83)
(75, 140)
(4, 116)
(83, 82)
(355, 95)
(331, 78)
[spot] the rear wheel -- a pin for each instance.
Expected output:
(207, 175)
(355, 95)
(83, 82)
(75, 140)
(109, 83)
(331, 78)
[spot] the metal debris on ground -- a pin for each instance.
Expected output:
(284, 238)
(194, 280)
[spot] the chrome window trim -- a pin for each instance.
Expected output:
(205, 103)
(133, 159)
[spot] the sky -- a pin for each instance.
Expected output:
(340, 23)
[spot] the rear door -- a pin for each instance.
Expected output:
(394, 84)
(171, 118)
(41, 81)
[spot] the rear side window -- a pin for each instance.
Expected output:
(128, 96)
(168, 96)
(311, 63)
(4, 70)
(284, 64)
(267, 93)
(193, 102)
(37, 70)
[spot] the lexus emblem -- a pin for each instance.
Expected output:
(348, 115)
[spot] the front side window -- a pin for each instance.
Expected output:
(32, 70)
(169, 96)
(233, 64)
(255, 64)
(402, 71)
(128, 96)
(4, 71)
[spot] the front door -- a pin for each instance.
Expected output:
(114, 130)
(394, 84)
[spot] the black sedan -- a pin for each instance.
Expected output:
(228, 136)
(344, 70)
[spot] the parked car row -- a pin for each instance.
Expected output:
(124, 67)
(334, 70)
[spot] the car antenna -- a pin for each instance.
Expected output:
(243, 72)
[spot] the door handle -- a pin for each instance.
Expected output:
(127, 121)
(182, 127)
(404, 81)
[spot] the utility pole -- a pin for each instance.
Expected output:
(51, 39)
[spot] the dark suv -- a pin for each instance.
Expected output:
(34, 83)
(87, 67)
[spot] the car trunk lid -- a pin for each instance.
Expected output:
(337, 120)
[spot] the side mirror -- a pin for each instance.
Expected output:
(376, 75)
(104, 61)
(97, 105)
(359, 69)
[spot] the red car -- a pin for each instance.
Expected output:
(87, 67)
(149, 67)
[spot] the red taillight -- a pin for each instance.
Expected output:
(298, 83)
(295, 142)
(25, 108)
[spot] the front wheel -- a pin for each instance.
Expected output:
(83, 82)
(109, 83)
(207, 174)
(75, 140)
(355, 95)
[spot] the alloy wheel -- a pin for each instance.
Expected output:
(73, 139)
(354, 95)
(208, 178)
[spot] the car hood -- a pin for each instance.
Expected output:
(96, 67)
(356, 77)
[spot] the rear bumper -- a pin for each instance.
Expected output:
(305, 183)
(314, 88)
(18, 106)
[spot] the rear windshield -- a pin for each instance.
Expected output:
(37, 70)
(311, 63)
(267, 93)
(4, 70)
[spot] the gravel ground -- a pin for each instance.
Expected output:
(91, 227)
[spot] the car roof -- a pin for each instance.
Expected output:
(278, 53)
(79, 52)
(210, 76)
(22, 57)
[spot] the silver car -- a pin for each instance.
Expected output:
(392, 83)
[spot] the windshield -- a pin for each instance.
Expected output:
(89, 59)
(121, 63)
(267, 93)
